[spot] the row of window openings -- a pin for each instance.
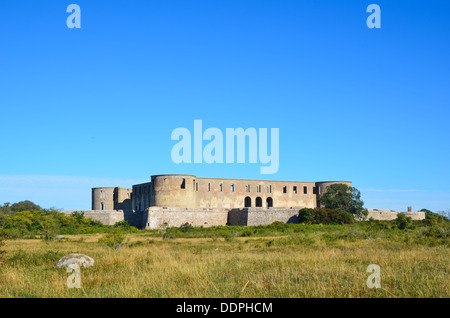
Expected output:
(258, 202)
(103, 195)
(247, 188)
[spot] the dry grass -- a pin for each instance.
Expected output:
(262, 267)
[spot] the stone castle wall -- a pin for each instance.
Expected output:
(112, 217)
(188, 191)
(386, 215)
(158, 217)
(105, 217)
(262, 216)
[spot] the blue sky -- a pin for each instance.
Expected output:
(96, 106)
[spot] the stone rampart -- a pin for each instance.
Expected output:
(158, 217)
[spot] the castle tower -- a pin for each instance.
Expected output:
(103, 199)
(173, 190)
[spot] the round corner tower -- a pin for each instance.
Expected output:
(174, 190)
(103, 198)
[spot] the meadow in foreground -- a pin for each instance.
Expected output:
(303, 261)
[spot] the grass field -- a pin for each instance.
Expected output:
(318, 262)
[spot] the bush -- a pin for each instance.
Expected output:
(48, 224)
(305, 216)
(246, 233)
(402, 221)
(278, 226)
(113, 239)
(432, 218)
(436, 232)
(324, 216)
(185, 227)
(79, 216)
(171, 233)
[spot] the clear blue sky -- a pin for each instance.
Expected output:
(96, 106)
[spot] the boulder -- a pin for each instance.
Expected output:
(79, 259)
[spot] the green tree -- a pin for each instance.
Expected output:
(341, 196)
(402, 221)
(25, 206)
(5, 209)
(432, 218)
(324, 216)
(426, 211)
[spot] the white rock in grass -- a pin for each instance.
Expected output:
(79, 259)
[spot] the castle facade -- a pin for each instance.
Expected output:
(175, 199)
(188, 191)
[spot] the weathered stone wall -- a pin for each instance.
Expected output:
(386, 215)
(231, 193)
(108, 199)
(157, 217)
(141, 196)
(105, 217)
(122, 199)
(173, 191)
(134, 218)
(188, 191)
(262, 216)
(415, 215)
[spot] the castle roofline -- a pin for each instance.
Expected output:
(104, 188)
(190, 175)
(331, 181)
(173, 175)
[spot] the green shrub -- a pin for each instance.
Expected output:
(246, 233)
(437, 232)
(186, 227)
(34, 258)
(79, 216)
(171, 233)
(402, 221)
(278, 226)
(432, 219)
(123, 224)
(113, 239)
(324, 216)
(305, 216)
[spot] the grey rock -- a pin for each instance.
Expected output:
(79, 259)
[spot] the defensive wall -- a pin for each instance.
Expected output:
(160, 217)
(134, 218)
(385, 215)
